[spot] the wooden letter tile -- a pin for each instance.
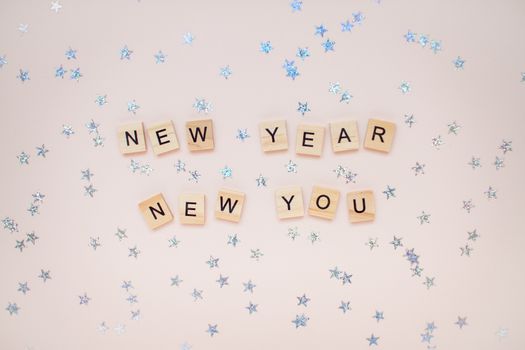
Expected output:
(379, 135)
(323, 202)
(163, 138)
(273, 135)
(155, 211)
(345, 135)
(131, 138)
(199, 134)
(289, 202)
(229, 205)
(361, 206)
(191, 208)
(310, 139)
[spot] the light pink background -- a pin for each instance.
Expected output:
(486, 99)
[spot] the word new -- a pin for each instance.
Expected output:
(273, 136)
(230, 203)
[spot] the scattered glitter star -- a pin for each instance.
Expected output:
(213, 262)
(265, 47)
(314, 237)
(303, 108)
(346, 173)
(23, 75)
(20, 245)
(94, 242)
(404, 87)
(256, 254)
(135, 315)
(223, 281)
(328, 45)
(409, 120)
(133, 107)
(194, 175)
(248, 286)
(378, 316)
(3, 61)
(372, 340)
(134, 252)
(461, 322)
(499, 163)
(302, 53)
(38, 197)
(475, 163)
(296, 6)
(396, 242)
(293, 232)
(424, 218)
(429, 282)
(252, 308)
(410, 37)
(423, 40)
(10, 224)
(23, 158)
(389, 192)
(180, 166)
(84, 299)
(345, 97)
(132, 299)
(261, 181)
(468, 205)
(491, 193)
(358, 17)
(334, 273)
(233, 240)
(346, 278)
(226, 172)
(201, 105)
(89, 190)
(291, 69)
(125, 53)
(33, 209)
(41, 151)
(303, 300)
(411, 256)
(127, 285)
(101, 100)
(160, 57)
(75, 74)
(426, 337)
(212, 329)
(60, 72)
(473, 235)
(300, 321)
(458, 63)
(188, 38)
(506, 146)
(291, 167)
(320, 30)
(242, 134)
(45, 275)
(346, 26)
(225, 72)
(435, 46)
(453, 128)
(23, 288)
(92, 126)
(334, 88)
(55, 6)
(419, 169)
(23, 28)
(67, 130)
(502, 333)
(466, 250)
(437, 142)
(175, 281)
(173, 242)
(12, 308)
(120, 328)
(98, 140)
(372, 243)
(345, 306)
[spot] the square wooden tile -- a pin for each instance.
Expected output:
(131, 138)
(163, 137)
(323, 202)
(229, 205)
(289, 202)
(274, 136)
(310, 140)
(379, 135)
(361, 206)
(191, 208)
(199, 135)
(156, 211)
(344, 135)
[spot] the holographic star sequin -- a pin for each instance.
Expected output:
(233, 240)
(41, 151)
(222, 281)
(302, 53)
(334, 88)
(125, 53)
(20, 245)
(248, 286)
(242, 134)
(101, 100)
(261, 181)
(133, 107)
(33, 209)
(410, 120)
(345, 173)
(435, 46)
(265, 47)
(345, 306)
(345, 97)
(293, 232)
(256, 254)
(194, 176)
(468, 205)
(453, 128)
(372, 243)
(419, 169)
(372, 340)
(303, 108)
(437, 142)
(180, 166)
(121, 234)
(201, 105)
(133, 252)
(410, 37)
(346, 26)
(378, 316)
(188, 38)
(491, 193)
(71, 54)
(60, 72)
(429, 282)
(212, 329)
(358, 17)
(291, 69)
(226, 172)
(499, 163)
(12, 308)
(23, 75)
(320, 30)
(404, 87)
(23, 288)
(461, 322)
(303, 300)
(225, 72)
(160, 57)
(424, 218)
(328, 45)
(94, 242)
(252, 308)
(213, 262)
(291, 167)
(31, 237)
(396, 242)
(67, 130)
(84, 299)
(296, 6)
(389, 192)
(506, 146)
(10, 224)
(89, 190)
(55, 7)
(466, 250)
(475, 163)
(176, 281)
(459, 63)
(3, 61)
(314, 237)
(45, 275)
(23, 158)
(300, 321)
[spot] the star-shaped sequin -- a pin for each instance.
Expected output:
(291, 167)
(300, 321)
(84, 299)
(41, 151)
(453, 128)
(248, 286)
(372, 340)
(346, 26)
(226, 172)
(328, 45)
(212, 329)
(55, 6)
(225, 72)
(378, 316)
(45, 275)
(405, 87)
(345, 306)
(125, 53)
(437, 142)
(23, 75)
(468, 205)
(302, 53)
(389, 192)
(320, 30)
(261, 181)
(213, 262)
(265, 47)
(188, 38)
(67, 130)
(475, 162)
(175, 281)
(499, 163)
(89, 190)
(506, 146)
(133, 107)
(297, 6)
(23, 287)
(12, 308)
(303, 108)
(133, 252)
(242, 134)
(424, 218)
(160, 57)
(459, 63)
(491, 193)
(201, 105)
(303, 300)
(410, 120)
(233, 240)
(466, 250)
(419, 168)
(23, 158)
(410, 37)
(461, 322)
(251, 308)
(60, 72)
(396, 242)
(222, 281)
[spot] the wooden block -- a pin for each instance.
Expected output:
(163, 137)
(345, 135)
(229, 205)
(310, 139)
(131, 138)
(323, 202)
(199, 134)
(379, 135)
(274, 136)
(361, 206)
(289, 202)
(156, 211)
(191, 208)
